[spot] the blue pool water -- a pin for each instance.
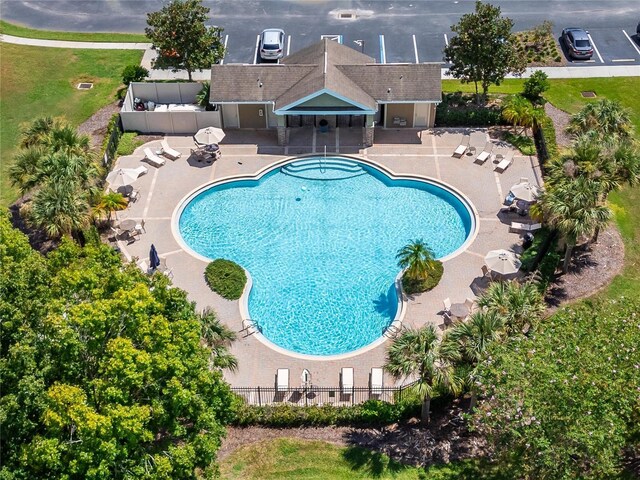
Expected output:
(322, 252)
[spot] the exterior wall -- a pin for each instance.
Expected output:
(252, 115)
(230, 116)
(402, 111)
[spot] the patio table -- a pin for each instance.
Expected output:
(128, 225)
(459, 310)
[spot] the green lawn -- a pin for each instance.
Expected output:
(20, 31)
(287, 458)
(42, 81)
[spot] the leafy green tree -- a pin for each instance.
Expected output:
(103, 370)
(606, 119)
(418, 260)
(574, 209)
(520, 306)
(562, 404)
(483, 50)
(183, 41)
(422, 355)
(535, 86)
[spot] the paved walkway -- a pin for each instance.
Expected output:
(592, 71)
(409, 152)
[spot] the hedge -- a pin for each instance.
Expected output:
(226, 278)
(369, 413)
(410, 287)
(128, 143)
(458, 110)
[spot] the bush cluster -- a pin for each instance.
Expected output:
(458, 110)
(226, 278)
(410, 286)
(128, 143)
(545, 139)
(369, 413)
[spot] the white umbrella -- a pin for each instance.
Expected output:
(122, 176)
(525, 191)
(209, 136)
(502, 261)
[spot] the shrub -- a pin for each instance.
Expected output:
(226, 278)
(128, 143)
(410, 286)
(369, 413)
(134, 73)
(458, 110)
(521, 142)
(535, 86)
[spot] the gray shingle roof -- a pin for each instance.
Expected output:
(326, 65)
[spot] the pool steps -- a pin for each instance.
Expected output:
(329, 168)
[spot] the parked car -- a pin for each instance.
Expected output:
(638, 30)
(577, 42)
(272, 44)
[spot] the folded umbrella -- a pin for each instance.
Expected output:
(154, 259)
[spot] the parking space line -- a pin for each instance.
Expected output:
(226, 39)
(595, 48)
(415, 48)
(633, 44)
(446, 40)
(623, 59)
(255, 54)
(288, 44)
(383, 55)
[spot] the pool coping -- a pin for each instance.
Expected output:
(402, 299)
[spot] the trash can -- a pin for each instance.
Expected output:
(324, 126)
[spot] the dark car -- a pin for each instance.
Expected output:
(577, 42)
(638, 30)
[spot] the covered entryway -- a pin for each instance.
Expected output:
(399, 115)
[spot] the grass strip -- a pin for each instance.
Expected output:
(26, 32)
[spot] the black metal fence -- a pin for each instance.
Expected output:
(111, 147)
(339, 397)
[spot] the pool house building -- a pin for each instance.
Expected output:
(326, 85)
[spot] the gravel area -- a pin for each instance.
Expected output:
(96, 125)
(560, 120)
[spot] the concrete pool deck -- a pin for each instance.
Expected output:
(404, 152)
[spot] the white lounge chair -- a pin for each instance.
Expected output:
(152, 158)
(535, 226)
(462, 148)
(469, 303)
(376, 381)
(484, 155)
(520, 226)
(346, 380)
(169, 152)
(504, 164)
(282, 380)
(141, 170)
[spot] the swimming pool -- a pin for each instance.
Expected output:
(319, 237)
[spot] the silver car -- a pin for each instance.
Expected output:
(272, 44)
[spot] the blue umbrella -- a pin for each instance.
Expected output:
(154, 259)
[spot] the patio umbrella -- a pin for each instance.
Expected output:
(502, 261)
(122, 176)
(209, 136)
(525, 191)
(154, 259)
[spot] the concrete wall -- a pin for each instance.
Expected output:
(185, 122)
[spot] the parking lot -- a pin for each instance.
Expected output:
(610, 46)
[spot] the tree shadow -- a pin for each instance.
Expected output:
(387, 303)
(374, 464)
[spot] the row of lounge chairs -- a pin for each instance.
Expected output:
(376, 380)
(503, 161)
(165, 150)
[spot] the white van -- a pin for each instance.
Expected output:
(272, 44)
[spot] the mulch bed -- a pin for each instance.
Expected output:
(446, 439)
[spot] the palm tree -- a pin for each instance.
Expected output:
(36, 132)
(519, 111)
(110, 202)
(218, 338)
(25, 173)
(607, 118)
(418, 260)
(65, 138)
(60, 209)
(472, 338)
(520, 306)
(422, 354)
(574, 208)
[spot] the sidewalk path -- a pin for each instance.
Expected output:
(36, 42)
(553, 72)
